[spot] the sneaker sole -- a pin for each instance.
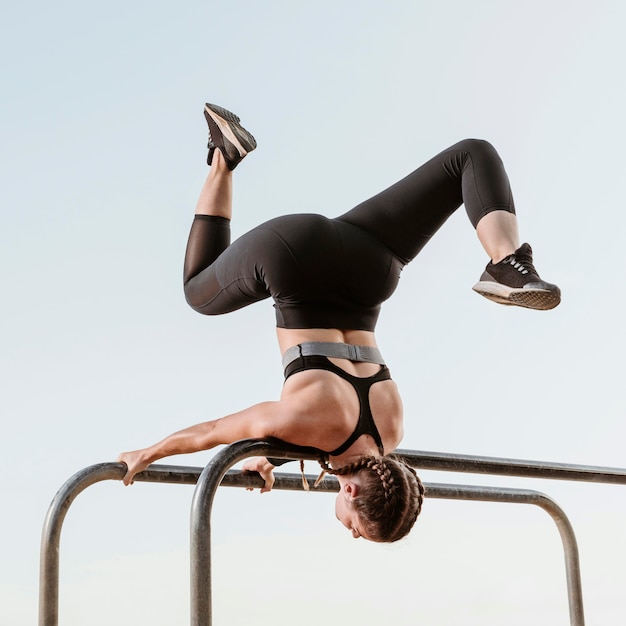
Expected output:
(231, 129)
(538, 299)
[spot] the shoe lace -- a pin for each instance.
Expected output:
(523, 262)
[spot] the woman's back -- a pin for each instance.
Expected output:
(326, 408)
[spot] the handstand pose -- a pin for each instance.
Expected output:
(328, 278)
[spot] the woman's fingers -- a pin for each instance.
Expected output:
(264, 468)
(268, 477)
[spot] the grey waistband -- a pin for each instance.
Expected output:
(366, 354)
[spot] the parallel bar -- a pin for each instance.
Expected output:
(284, 482)
(49, 568)
(202, 503)
(51, 535)
(439, 461)
(173, 474)
(216, 472)
(495, 466)
(524, 496)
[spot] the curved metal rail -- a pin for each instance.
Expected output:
(217, 473)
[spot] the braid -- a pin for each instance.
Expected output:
(352, 468)
(386, 478)
(421, 490)
(388, 513)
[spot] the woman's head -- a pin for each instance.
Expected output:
(380, 498)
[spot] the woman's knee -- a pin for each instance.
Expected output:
(476, 146)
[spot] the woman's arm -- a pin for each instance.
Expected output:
(266, 419)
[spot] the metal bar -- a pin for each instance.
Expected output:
(215, 474)
(202, 503)
(525, 496)
(51, 533)
(495, 466)
(49, 567)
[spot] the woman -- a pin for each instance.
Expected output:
(328, 279)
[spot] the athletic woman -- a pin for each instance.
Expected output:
(328, 278)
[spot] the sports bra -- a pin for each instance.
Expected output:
(365, 424)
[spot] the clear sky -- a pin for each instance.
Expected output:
(103, 155)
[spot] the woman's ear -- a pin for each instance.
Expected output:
(351, 489)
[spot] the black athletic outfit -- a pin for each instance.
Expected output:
(335, 273)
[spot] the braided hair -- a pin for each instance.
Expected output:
(390, 498)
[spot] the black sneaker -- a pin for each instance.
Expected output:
(227, 135)
(515, 281)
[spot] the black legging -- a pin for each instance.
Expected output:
(335, 273)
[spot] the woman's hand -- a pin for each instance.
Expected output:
(135, 462)
(261, 465)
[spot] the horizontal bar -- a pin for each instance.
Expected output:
(284, 481)
(439, 461)
(176, 474)
(465, 463)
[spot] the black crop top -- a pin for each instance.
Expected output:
(365, 424)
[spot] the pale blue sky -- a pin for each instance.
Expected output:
(102, 152)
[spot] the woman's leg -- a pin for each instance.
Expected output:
(216, 197)
(210, 234)
(210, 231)
(498, 233)
(217, 277)
(406, 215)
